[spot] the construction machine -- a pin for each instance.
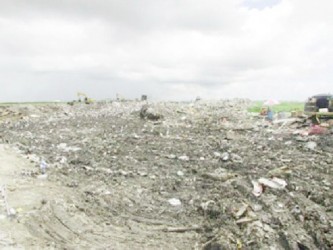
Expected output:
(84, 97)
(319, 107)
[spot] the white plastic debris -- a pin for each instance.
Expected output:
(225, 156)
(12, 212)
(296, 210)
(172, 156)
(174, 202)
(43, 166)
(280, 181)
(205, 205)
(184, 158)
(275, 183)
(65, 148)
(257, 188)
(180, 173)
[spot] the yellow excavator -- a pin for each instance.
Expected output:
(84, 97)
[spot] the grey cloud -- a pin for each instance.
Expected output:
(167, 49)
(144, 15)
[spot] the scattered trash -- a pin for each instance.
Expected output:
(204, 206)
(12, 212)
(172, 156)
(296, 210)
(245, 220)
(180, 173)
(317, 130)
(219, 175)
(275, 183)
(225, 156)
(241, 211)
(209, 156)
(148, 113)
(311, 145)
(43, 166)
(184, 158)
(257, 188)
(174, 202)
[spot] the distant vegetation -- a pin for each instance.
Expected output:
(28, 103)
(282, 107)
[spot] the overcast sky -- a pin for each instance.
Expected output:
(167, 49)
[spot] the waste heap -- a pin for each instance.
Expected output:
(207, 175)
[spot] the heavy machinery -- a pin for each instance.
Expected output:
(84, 97)
(319, 107)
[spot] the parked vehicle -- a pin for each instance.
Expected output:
(319, 103)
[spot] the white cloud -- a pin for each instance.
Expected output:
(167, 49)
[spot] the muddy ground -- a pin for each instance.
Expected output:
(181, 181)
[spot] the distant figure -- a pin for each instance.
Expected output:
(270, 115)
(263, 111)
(144, 98)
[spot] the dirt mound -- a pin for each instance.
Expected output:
(183, 181)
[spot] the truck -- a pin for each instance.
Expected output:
(319, 107)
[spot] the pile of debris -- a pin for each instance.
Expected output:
(207, 175)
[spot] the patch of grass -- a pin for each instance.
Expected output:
(282, 107)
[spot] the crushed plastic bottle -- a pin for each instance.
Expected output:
(43, 166)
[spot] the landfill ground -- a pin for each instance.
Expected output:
(199, 175)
